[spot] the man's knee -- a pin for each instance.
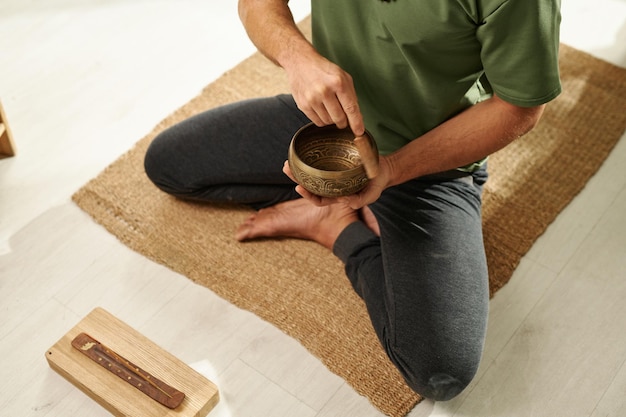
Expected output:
(153, 160)
(160, 166)
(442, 387)
(436, 378)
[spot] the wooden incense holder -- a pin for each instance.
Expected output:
(83, 355)
(128, 371)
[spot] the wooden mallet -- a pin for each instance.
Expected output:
(368, 157)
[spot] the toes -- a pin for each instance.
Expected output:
(244, 230)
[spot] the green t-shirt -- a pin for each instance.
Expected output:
(417, 63)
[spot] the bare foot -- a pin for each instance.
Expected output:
(300, 219)
(370, 220)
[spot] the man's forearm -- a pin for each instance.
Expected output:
(272, 29)
(470, 136)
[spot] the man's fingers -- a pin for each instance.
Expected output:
(350, 108)
(332, 113)
(337, 113)
(315, 199)
(287, 171)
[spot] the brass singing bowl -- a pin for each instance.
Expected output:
(326, 162)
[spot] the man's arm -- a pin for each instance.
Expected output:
(272, 29)
(470, 136)
(322, 90)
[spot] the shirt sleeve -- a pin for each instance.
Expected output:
(519, 50)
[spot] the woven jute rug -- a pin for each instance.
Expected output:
(300, 287)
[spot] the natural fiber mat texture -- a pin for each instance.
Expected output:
(300, 287)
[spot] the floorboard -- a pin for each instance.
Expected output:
(81, 82)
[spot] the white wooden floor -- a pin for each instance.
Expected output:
(81, 81)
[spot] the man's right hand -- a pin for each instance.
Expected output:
(324, 92)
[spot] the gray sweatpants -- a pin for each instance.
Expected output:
(424, 280)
